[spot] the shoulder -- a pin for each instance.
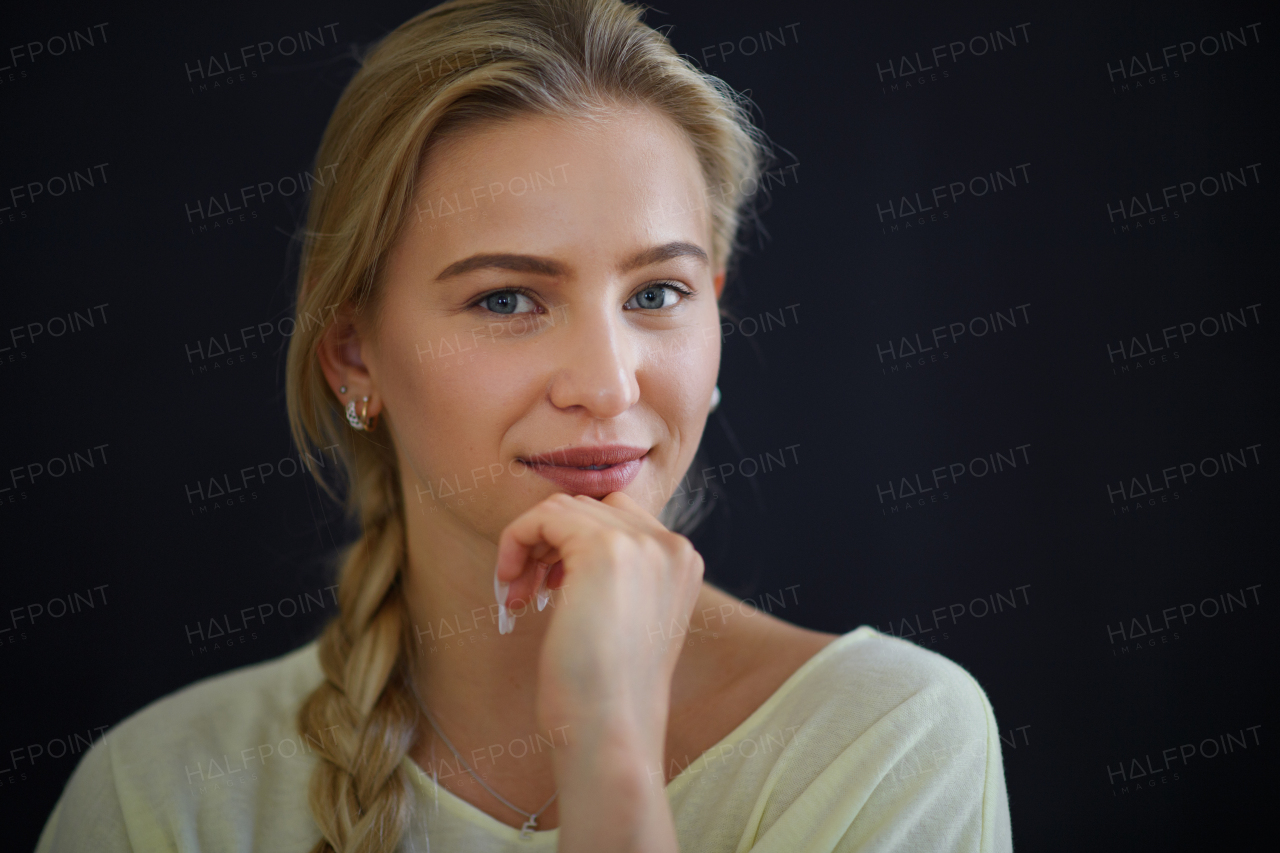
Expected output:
(884, 696)
(215, 745)
(863, 675)
(896, 738)
(876, 674)
(871, 742)
(224, 709)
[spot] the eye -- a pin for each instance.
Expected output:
(508, 301)
(661, 295)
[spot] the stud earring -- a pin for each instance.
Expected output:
(715, 398)
(342, 389)
(360, 421)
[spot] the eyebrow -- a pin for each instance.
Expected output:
(546, 266)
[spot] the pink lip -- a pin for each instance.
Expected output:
(565, 468)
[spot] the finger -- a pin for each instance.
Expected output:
(542, 552)
(548, 526)
(524, 589)
(625, 503)
(525, 584)
(555, 577)
(543, 593)
(535, 538)
(620, 510)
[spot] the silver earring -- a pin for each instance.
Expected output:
(360, 421)
(715, 398)
(342, 389)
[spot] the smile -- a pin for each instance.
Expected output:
(592, 471)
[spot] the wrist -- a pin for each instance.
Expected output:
(616, 724)
(613, 748)
(613, 797)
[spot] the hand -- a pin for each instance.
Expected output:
(622, 575)
(624, 578)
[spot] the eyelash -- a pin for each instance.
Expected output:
(479, 301)
(673, 285)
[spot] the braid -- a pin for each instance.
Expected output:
(360, 795)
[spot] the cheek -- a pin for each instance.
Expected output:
(456, 395)
(680, 370)
(683, 364)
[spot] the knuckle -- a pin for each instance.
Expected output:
(699, 566)
(654, 550)
(616, 543)
(688, 558)
(678, 546)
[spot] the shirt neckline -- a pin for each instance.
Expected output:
(487, 821)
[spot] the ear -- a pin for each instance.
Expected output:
(719, 284)
(342, 352)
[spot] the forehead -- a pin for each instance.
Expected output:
(614, 182)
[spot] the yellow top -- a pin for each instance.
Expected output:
(874, 744)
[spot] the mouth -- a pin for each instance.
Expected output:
(592, 471)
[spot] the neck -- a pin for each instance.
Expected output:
(473, 680)
(479, 686)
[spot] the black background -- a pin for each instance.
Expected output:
(821, 534)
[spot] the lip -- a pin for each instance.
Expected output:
(564, 468)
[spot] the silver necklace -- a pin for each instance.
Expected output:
(531, 822)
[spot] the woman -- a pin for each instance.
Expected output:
(522, 252)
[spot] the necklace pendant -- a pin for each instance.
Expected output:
(526, 831)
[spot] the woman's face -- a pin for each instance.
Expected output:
(552, 290)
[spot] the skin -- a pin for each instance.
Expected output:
(595, 353)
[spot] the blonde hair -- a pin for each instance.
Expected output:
(460, 63)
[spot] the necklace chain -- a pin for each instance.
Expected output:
(531, 822)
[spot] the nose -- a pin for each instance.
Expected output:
(597, 360)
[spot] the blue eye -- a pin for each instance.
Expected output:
(507, 302)
(658, 296)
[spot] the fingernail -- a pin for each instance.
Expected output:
(506, 622)
(542, 594)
